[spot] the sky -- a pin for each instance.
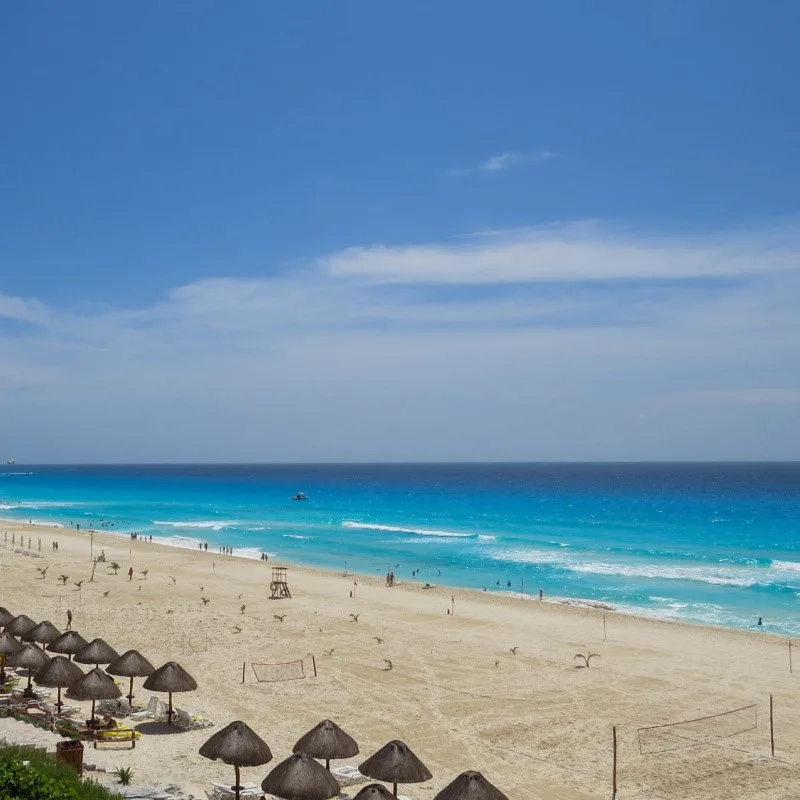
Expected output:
(360, 231)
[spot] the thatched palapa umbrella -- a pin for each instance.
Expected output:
(59, 674)
(395, 763)
(470, 786)
(68, 644)
(20, 625)
(94, 686)
(327, 740)
(8, 646)
(32, 659)
(374, 791)
(239, 745)
(97, 652)
(299, 777)
(5, 617)
(172, 677)
(131, 664)
(43, 633)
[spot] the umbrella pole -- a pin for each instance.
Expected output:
(93, 702)
(328, 764)
(394, 790)
(130, 692)
(237, 787)
(169, 710)
(59, 703)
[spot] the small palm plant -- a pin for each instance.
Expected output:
(78, 584)
(144, 573)
(242, 608)
(42, 571)
(63, 579)
(124, 775)
(205, 601)
(587, 659)
(113, 565)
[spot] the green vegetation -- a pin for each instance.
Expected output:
(43, 778)
(124, 775)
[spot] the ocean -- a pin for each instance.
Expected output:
(708, 543)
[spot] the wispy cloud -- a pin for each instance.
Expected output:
(514, 158)
(570, 341)
(504, 161)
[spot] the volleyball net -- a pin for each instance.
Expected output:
(702, 730)
(280, 671)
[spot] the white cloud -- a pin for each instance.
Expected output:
(431, 352)
(512, 158)
(570, 252)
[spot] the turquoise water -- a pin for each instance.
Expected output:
(711, 543)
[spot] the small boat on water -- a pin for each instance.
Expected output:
(10, 462)
(300, 496)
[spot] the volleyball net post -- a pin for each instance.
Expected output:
(614, 763)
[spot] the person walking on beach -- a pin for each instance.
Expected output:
(69, 620)
(130, 573)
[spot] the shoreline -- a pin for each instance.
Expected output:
(553, 601)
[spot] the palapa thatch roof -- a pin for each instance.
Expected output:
(8, 644)
(5, 616)
(171, 677)
(96, 652)
(94, 685)
(299, 777)
(60, 672)
(238, 745)
(327, 740)
(30, 657)
(68, 644)
(395, 762)
(131, 664)
(470, 786)
(374, 791)
(20, 625)
(43, 633)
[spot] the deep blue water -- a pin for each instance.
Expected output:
(713, 543)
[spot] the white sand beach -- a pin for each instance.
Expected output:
(536, 724)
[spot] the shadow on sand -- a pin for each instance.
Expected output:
(156, 729)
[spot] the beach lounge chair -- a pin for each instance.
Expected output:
(151, 712)
(224, 791)
(120, 707)
(116, 736)
(347, 775)
(185, 721)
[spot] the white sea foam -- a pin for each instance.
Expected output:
(188, 543)
(789, 566)
(294, 536)
(485, 537)
(41, 522)
(40, 504)
(214, 525)
(396, 529)
(743, 577)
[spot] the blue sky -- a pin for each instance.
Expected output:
(363, 231)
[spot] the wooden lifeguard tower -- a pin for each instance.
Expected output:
(278, 585)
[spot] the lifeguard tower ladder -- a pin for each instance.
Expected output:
(278, 585)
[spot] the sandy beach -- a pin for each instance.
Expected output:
(493, 687)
